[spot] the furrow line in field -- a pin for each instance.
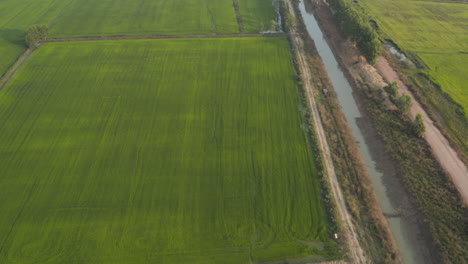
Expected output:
(235, 3)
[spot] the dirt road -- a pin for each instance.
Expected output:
(356, 253)
(440, 146)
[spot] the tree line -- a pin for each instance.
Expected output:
(404, 104)
(355, 26)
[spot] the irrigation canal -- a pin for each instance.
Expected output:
(405, 229)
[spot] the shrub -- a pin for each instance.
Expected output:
(392, 89)
(404, 103)
(418, 126)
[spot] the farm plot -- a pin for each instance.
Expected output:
(15, 18)
(158, 151)
(436, 32)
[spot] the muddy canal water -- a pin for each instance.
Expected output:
(392, 199)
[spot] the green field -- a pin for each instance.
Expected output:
(158, 151)
(124, 17)
(257, 15)
(436, 32)
(450, 71)
(127, 17)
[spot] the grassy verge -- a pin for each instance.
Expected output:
(354, 181)
(434, 194)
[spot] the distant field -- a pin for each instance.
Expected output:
(128, 17)
(124, 17)
(437, 32)
(157, 151)
(450, 70)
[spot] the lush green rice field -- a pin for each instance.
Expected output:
(436, 32)
(157, 151)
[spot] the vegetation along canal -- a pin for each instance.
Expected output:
(404, 228)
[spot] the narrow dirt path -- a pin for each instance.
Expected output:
(233, 35)
(440, 146)
(14, 68)
(356, 253)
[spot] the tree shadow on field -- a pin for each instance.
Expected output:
(13, 36)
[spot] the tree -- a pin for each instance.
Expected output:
(355, 24)
(35, 34)
(418, 126)
(404, 103)
(392, 89)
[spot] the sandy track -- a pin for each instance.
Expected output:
(356, 253)
(440, 146)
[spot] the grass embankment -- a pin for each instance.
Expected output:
(435, 195)
(432, 34)
(171, 151)
(356, 186)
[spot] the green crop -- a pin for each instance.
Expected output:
(158, 151)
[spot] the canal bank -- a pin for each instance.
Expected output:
(405, 224)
